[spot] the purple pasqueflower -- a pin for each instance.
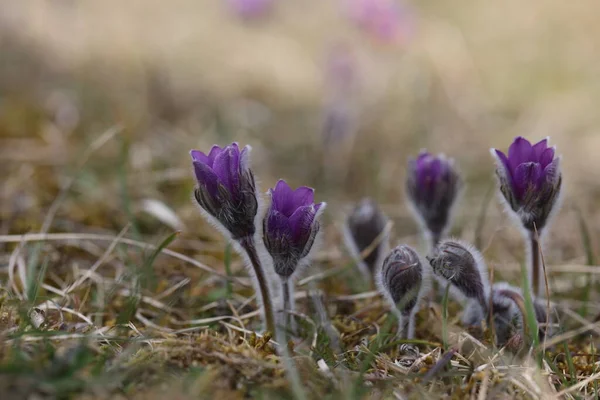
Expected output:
(226, 189)
(432, 186)
(530, 180)
(386, 20)
(291, 226)
(250, 8)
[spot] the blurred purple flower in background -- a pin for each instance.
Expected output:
(250, 8)
(386, 20)
(530, 180)
(432, 186)
(339, 122)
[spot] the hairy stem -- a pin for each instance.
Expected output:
(286, 302)
(535, 263)
(406, 326)
(249, 246)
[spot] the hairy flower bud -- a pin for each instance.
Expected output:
(401, 280)
(508, 309)
(226, 189)
(462, 265)
(366, 237)
(530, 180)
(291, 226)
(432, 187)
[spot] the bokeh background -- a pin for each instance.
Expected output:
(328, 93)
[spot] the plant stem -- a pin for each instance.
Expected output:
(535, 263)
(286, 306)
(249, 246)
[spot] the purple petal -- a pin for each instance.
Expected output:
(250, 8)
(226, 166)
(301, 222)
(422, 170)
(214, 151)
(283, 198)
(539, 148)
(206, 177)
(199, 156)
(546, 157)
(304, 196)
(526, 175)
(277, 224)
(519, 152)
(502, 157)
(435, 169)
(552, 171)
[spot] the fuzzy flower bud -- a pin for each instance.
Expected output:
(462, 265)
(530, 180)
(291, 226)
(432, 186)
(366, 237)
(226, 189)
(508, 309)
(401, 280)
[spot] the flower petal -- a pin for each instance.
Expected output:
(527, 175)
(552, 171)
(277, 224)
(199, 156)
(227, 168)
(539, 148)
(214, 151)
(283, 198)
(206, 177)
(301, 223)
(546, 157)
(304, 196)
(519, 152)
(503, 159)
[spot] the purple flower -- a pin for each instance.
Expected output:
(250, 8)
(226, 189)
(530, 180)
(384, 19)
(291, 226)
(432, 186)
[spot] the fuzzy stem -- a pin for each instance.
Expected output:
(434, 240)
(406, 326)
(286, 302)
(535, 263)
(249, 246)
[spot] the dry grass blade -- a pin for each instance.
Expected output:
(100, 261)
(40, 237)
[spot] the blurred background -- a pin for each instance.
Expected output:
(334, 94)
